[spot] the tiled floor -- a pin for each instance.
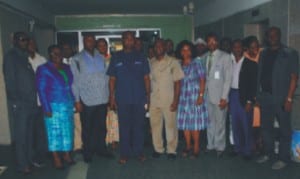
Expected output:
(207, 166)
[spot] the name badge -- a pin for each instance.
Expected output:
(217, 75)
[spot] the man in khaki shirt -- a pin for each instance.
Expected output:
(166, 74)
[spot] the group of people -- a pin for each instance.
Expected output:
(189, 89)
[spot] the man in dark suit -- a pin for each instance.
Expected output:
(241, 100)
(21, 94)
(277, 81)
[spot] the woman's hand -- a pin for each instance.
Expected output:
(173, 106)
(199, 100)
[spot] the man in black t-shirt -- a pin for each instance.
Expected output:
(277, 81)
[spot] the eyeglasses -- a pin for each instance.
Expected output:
(23, 39)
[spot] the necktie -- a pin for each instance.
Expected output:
(210, 59)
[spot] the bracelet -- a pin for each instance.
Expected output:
(289, 100)
(201, 94)
(249, 102)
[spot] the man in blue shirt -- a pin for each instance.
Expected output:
(90, 88)
(129, 86)
(277, 81)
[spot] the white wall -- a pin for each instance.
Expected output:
(218, 9)
(5, 128)
(32, 8)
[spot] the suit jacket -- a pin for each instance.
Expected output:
(218, 80)
(52, 87)
(247, 81)
(19, 78)
(286, 63)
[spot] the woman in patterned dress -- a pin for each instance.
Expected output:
(192, 115)
(54, 81)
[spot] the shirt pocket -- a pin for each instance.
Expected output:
(120, 68)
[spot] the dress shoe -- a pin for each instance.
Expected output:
(194, 155)
(263, 159)
(142, 158)
(38, 164)
(186, 152)
(220, 154)
(87, 159)
(123, 160)
(279, 165)
(156, 155)
(208, 150)
(106, 154)
(233, 154)
(171, 156)
(26, 171)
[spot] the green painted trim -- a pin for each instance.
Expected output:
(176, 27)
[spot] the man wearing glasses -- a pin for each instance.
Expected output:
(22, 99)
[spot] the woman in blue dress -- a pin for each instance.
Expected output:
(192, 114)
(54, 80)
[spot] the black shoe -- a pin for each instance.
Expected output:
(26, 171)
(87, 159)
(106, 154)
(247, 157)
(233, 154)
(208, 150)
(220, 154)
(171, 156)
(156, 155)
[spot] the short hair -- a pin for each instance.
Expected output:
(101, 40)
(125, 33)
(212, 34)
(87, 35)
(159, 40)
(249, 40)
(237, 41)
(51, 47)
(19, 34)
(169, 40)
(274, 28)
(180, 46)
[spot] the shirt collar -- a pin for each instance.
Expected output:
(234, 61)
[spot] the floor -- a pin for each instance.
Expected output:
(207, 166)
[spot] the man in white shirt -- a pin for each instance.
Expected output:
(67, 53)
(241, 100)
(40, 140)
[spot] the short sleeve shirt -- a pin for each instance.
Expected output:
(129, 70)
(163, 75)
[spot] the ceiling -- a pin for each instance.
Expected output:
(64, 7)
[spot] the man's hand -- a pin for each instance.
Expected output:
(288, 106)
(112, 103)
(248, 107)
(173, 106)
(222, 104)
(78, 106)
